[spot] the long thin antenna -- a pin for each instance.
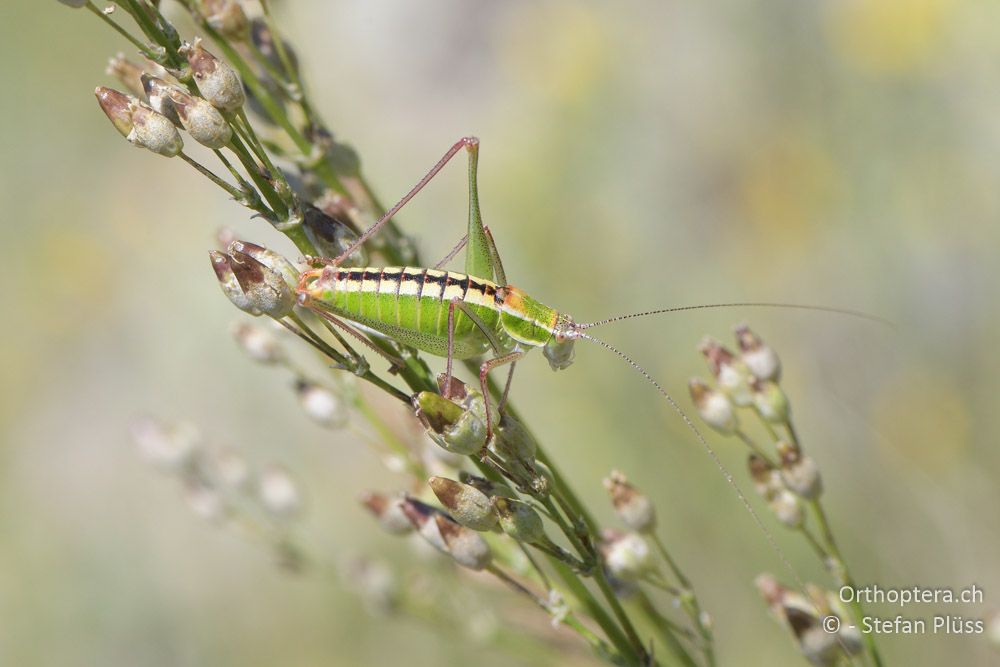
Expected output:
(711, 452)
(752, 304)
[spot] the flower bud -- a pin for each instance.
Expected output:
(222, 265)
(168, 448)
(421, 517)
(226, 17)
(512, 441)
(278, 493)
(388, 511)
(714, 407)
(117, 107)
(730, 373)
(128, 73)
(627, 556)
(464, 544)
(331, 235)
(799, 473)
(520, 521)
(802, 615)
(258, 343)
(765, 478)
(265, 289)
(201, 120)
(762, 361)
(154, 131)
(770, 401)
(634, 508)
(158, 92)
(217, 81)
(786, 508)
(458, 428)
(466, 504)
(321, 404)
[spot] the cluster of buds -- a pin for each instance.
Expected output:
(158, 105)
(403, 514)
(627, 555)
(220, 485)
(747, 379)
(750, 379)
(769, 484)
(256, 280)
(817, 620)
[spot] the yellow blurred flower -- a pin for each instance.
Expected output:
(925, 418)
(787, 185)
(889, 36)
(560, 50)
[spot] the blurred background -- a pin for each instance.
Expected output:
(634, 155)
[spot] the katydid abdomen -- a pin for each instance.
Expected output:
(411, 305)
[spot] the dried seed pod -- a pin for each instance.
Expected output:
(158, 92)
(487, 487)
(217, 81)
(627, 556)
(226, 17)
(520, 521)
(154, 131)
(770, 401)
(264, 40)
(459, 428)
(634, 508)
(258, 343)
(714, 407)
(331, 235)
(421, 516)
(278, 493)
(730, 373)
(512, 442)
(799, 472)
(388, 511)
(464, 545)
(222, 264)
(201, 120)
(117, 107)
(265, 289)
(128, 73)
(269, 258)
(804, 617)
(322, 405)
(467, 505)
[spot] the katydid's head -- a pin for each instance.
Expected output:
(559, 348)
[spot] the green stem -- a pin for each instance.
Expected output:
(688, 599)
(234, 192)
(143, 48)
(755, 448)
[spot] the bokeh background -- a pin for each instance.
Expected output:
(635, 154)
